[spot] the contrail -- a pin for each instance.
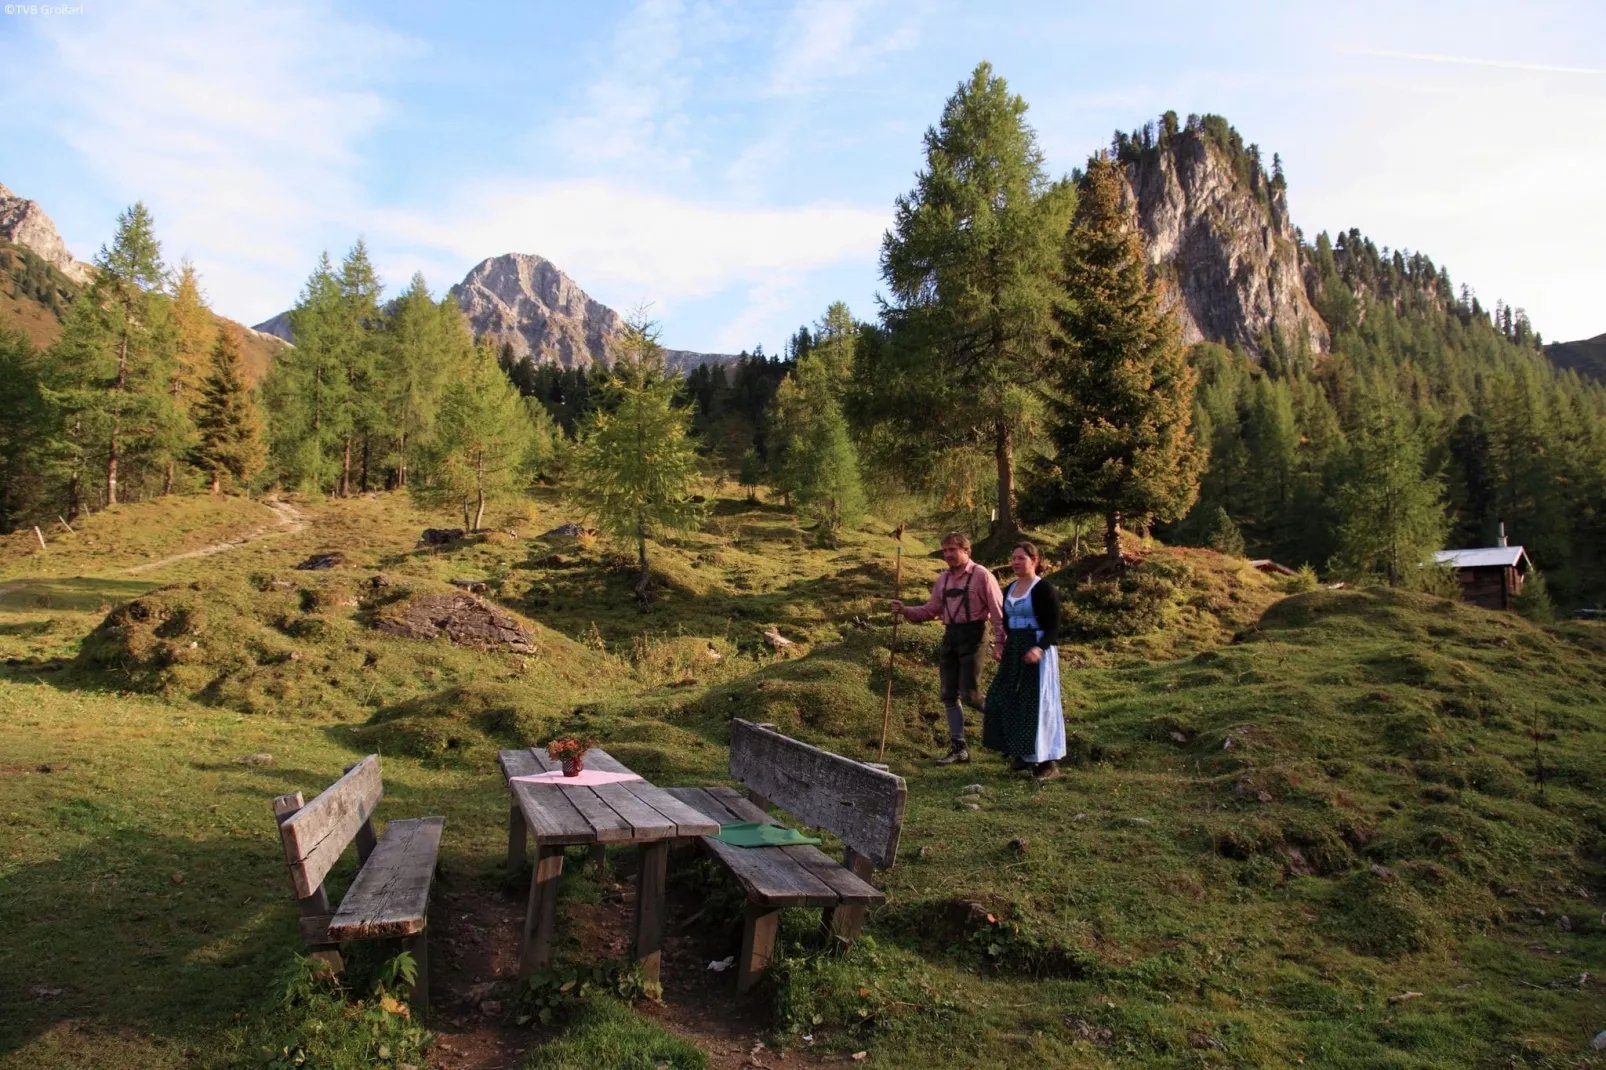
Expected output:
(1472, 61)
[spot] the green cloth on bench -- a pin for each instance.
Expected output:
(761, 834)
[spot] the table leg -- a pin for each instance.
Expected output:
(650, 906)
(517, 836)
(597, 856)
(541, 912)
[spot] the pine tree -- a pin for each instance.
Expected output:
(972, 263)
(1224, 536)
(1121, 396)
(636, 468)
(360, 417)
(27, 420)
(305, 391)
(227, 424)
(480, 449)
(194, 332)
(418, 334)
(818, 466)
(1391, 510)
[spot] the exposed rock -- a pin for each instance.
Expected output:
(462, 618)
(260, 758)
(472, 586)
(527, 303)
(1599, 1043)
(1226, 248)
(1097, 1035)
(278, 327)
(319, 562)
(23, 222)
(567, 531)
(439, 536)
(777, 641)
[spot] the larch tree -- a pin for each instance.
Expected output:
(413, 360)
(360, 417)
(228, 426)
(636, 467)
(305, 389)
(129, 283)
(480, 448)
(1390, 508)
(1120, 387)
(972, 262)
(194, 336)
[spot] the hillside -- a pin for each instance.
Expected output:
(1278, 812)
(1586, 357)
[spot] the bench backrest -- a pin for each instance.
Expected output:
(315, 835)
(862, 805)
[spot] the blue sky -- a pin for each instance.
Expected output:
(733, 164)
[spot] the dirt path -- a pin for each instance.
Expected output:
(290, 521)
(474, 980)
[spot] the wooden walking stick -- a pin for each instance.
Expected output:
(892, 651)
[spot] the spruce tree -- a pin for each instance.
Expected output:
(227, 424)
(1121, 390)
(972, 263)
(418, 334)
(819, 468)
(27, 420)
(636, 466)
(360, 417)
(305, 390)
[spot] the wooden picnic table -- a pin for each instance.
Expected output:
(632, 811)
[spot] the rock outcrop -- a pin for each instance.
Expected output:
(22, 221)
(278, 327)
(1216, 229)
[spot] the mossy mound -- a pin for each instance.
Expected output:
(471, 718)
(308, 643)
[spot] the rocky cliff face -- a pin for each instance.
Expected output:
(1216, 229)
(22, 221)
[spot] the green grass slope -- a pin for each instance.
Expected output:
(1278, 812)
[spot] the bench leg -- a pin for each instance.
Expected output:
(650, 905)
(517, 835)
(845, 923)
(759, 927)
(418, 947)
(541, 912)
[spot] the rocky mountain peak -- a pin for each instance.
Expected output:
(527, 303)
(23, 222)
(1216, 229)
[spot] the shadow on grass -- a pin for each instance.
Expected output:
(83, 594)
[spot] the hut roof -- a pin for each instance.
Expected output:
(1484, 557)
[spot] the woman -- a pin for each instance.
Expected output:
(1025, 719)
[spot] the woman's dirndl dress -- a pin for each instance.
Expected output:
(1025, 717)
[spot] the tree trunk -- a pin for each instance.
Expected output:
(643, 585)
(215, 482)
(167, 478)
(479, 489)
(75, 502)
(363, 482)
(1005, 531)
(465, 514)
(401, 464)
(1112, 538)
(115, 450)
(345, 469)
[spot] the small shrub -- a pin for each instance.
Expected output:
(1534, 601)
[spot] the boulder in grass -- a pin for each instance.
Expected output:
(461, 618)
(471, 586)
(439, 536)
(319, 562)
(566, 531)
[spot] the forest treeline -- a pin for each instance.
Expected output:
(1019, 371)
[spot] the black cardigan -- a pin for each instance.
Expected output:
(1046, 608)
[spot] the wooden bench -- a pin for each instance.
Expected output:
(389, 897)
(861, 804)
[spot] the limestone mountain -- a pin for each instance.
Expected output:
(542, 315)
(1216, 228)
(526, 302)
(24, 223)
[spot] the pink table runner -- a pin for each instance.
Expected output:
(588, 778)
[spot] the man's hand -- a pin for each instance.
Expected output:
(896, 607)
(1033, 656)
(998, 653)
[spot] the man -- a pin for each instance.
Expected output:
(965, 597)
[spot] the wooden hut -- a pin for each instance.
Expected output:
(1490, 576)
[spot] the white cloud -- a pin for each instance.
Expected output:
(639, 244)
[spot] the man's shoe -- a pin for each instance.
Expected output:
(1020, 765)
(957, 752)
(1046, 771)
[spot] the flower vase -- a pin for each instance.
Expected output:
(572, 766)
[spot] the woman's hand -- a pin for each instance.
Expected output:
(1033, 656)
(998, 653)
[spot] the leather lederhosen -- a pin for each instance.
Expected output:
(959, 660)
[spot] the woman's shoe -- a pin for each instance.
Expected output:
(1020, 765)
(1046, 771)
